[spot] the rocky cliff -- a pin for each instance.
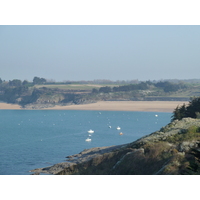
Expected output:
(174, 149)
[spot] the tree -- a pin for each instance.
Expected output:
(191, 110)
(169, 87)
(193, 107)
(105, 89)
(25, 82)
(43, 80)
(15, 82)
(179, 113)
(94, 90)
(37, 80)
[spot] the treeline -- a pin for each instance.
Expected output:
(11, 94)
(17, 91)
(17, 82)
(191, 110)
(23, 92)
(170, 87)
(165, 86)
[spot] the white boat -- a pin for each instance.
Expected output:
(109, 126)
(90, 131)
(88, 140)
(118, 128)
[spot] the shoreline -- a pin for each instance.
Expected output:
(131, 159)
(146, 106)
(9, 106)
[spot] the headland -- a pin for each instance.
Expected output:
(173, 150)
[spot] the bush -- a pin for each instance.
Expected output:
(157, 150)
(193, 129)
(191, 133)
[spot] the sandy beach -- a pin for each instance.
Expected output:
(157, 106)
(154, 106)
(7, 106)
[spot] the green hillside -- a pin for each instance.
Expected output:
(41, 93)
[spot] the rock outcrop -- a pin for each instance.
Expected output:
(174, 149)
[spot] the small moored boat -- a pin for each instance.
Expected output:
(118, 128)
(88, 140)
(90, 131)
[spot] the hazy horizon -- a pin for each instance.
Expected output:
(99, 52)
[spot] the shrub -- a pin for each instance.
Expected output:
(157, 150)
(191, 133)
(193, 129)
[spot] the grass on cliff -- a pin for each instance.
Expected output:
(159, 157)
(192, 133)
(155, 155)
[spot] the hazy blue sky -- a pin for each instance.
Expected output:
(99, 52)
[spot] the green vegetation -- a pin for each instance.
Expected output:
(192, 133)
(37, 80)
(163, 86)
(192, 163)
(75, 87)
(192, 110)
(42, 91)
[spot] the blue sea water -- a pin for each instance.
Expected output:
(32, 139)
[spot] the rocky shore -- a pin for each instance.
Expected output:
(174, 149)
(84, 156)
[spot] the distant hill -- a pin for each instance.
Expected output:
(41, 93)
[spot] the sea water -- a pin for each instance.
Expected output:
(32, 139)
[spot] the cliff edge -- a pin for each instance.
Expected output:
(174, 149)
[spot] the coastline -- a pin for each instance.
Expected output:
(146, 106)
(153, 154)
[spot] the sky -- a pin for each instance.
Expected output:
(89, 52)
